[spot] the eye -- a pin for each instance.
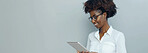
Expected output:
(90, 19)
(95, 17)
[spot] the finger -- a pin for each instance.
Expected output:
(86, 52)
(82, 51)
(78, 52)
(94, 52)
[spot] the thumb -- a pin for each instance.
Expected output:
(78, 52)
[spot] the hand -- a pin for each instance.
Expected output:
(86, 52)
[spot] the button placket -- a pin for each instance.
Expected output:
(102, 39)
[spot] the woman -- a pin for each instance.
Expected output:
(106, 39)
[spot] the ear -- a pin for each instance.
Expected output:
(104, 15)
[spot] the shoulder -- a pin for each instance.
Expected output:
(118, 34)
(92, 34)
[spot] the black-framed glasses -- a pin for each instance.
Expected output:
(94, 17)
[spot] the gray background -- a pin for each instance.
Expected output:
(44, 26)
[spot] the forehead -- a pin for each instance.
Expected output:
(94, 12)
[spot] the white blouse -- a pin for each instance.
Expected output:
(113, 41)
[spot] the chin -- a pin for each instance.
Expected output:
(97, 27)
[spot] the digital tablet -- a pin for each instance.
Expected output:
(77, 46)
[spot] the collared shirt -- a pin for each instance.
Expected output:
(113, 41)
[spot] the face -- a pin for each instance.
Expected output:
(100, 20)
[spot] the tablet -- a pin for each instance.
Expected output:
(77, 46)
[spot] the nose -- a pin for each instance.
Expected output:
(93, 21)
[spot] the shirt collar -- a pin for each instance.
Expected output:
(109, 32)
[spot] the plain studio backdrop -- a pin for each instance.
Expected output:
(44, 26)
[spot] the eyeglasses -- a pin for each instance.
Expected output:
(94, 17)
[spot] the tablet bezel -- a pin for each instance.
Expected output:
(77, 46)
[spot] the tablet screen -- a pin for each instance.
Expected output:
(77, 46)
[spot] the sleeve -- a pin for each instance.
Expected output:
(121, 48)
(88, 44)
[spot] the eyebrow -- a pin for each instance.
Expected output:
(93, 15)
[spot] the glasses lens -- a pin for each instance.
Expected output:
(90, 18)
(95, 17)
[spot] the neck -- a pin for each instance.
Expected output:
(104, 28)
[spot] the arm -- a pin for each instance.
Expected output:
(88, 44)
(121, 48)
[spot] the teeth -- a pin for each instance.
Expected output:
(96, 23)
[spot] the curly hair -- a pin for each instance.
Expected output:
(107, 6)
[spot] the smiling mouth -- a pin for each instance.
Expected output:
(96, 24)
